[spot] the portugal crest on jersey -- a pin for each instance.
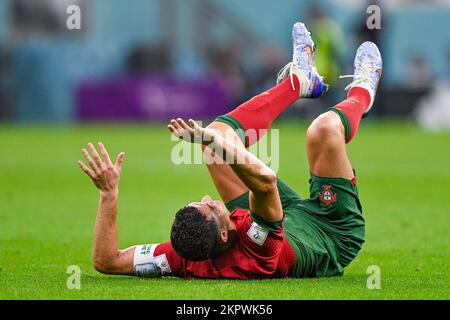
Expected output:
(327, 196)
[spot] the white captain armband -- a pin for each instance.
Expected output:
(147, 265)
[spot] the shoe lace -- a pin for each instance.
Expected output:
(283, 71)
(362, 74)
(291, 67)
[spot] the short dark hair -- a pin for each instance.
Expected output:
(193, 236)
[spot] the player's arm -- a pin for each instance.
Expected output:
(107, 258)
(259, 179)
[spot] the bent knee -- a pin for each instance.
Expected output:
(327, 126)
(226, 131)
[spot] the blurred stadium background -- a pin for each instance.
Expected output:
(152, 59)
(134, 64)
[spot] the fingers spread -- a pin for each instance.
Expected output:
(174, 130)
(90, 161)
(105, 154)
(178, 130)
(88, 171)
(175, 124)
(191, 132)
(183, 124)
(96, 156)
(195, 125)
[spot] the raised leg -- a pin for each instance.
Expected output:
(298, 79)
(328, 134)
(325, 140)
(244, 126)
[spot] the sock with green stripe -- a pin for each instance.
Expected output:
(257, 114)
(351, 110)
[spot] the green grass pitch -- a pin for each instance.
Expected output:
(48, 207)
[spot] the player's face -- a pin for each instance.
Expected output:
(210, 207)
(216, 210)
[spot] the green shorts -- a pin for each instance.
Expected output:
(326, 231)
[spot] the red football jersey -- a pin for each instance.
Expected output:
(259, 252)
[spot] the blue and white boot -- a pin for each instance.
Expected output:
(303, 64)
(368, 68)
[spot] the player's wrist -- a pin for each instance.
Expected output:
(212, 139)
(109, 194)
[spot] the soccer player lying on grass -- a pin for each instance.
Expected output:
(271, 232)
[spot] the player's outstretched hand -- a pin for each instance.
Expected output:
(192, 133)
(102, 171)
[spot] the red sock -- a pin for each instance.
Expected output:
(258, 113)
(352, 109)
